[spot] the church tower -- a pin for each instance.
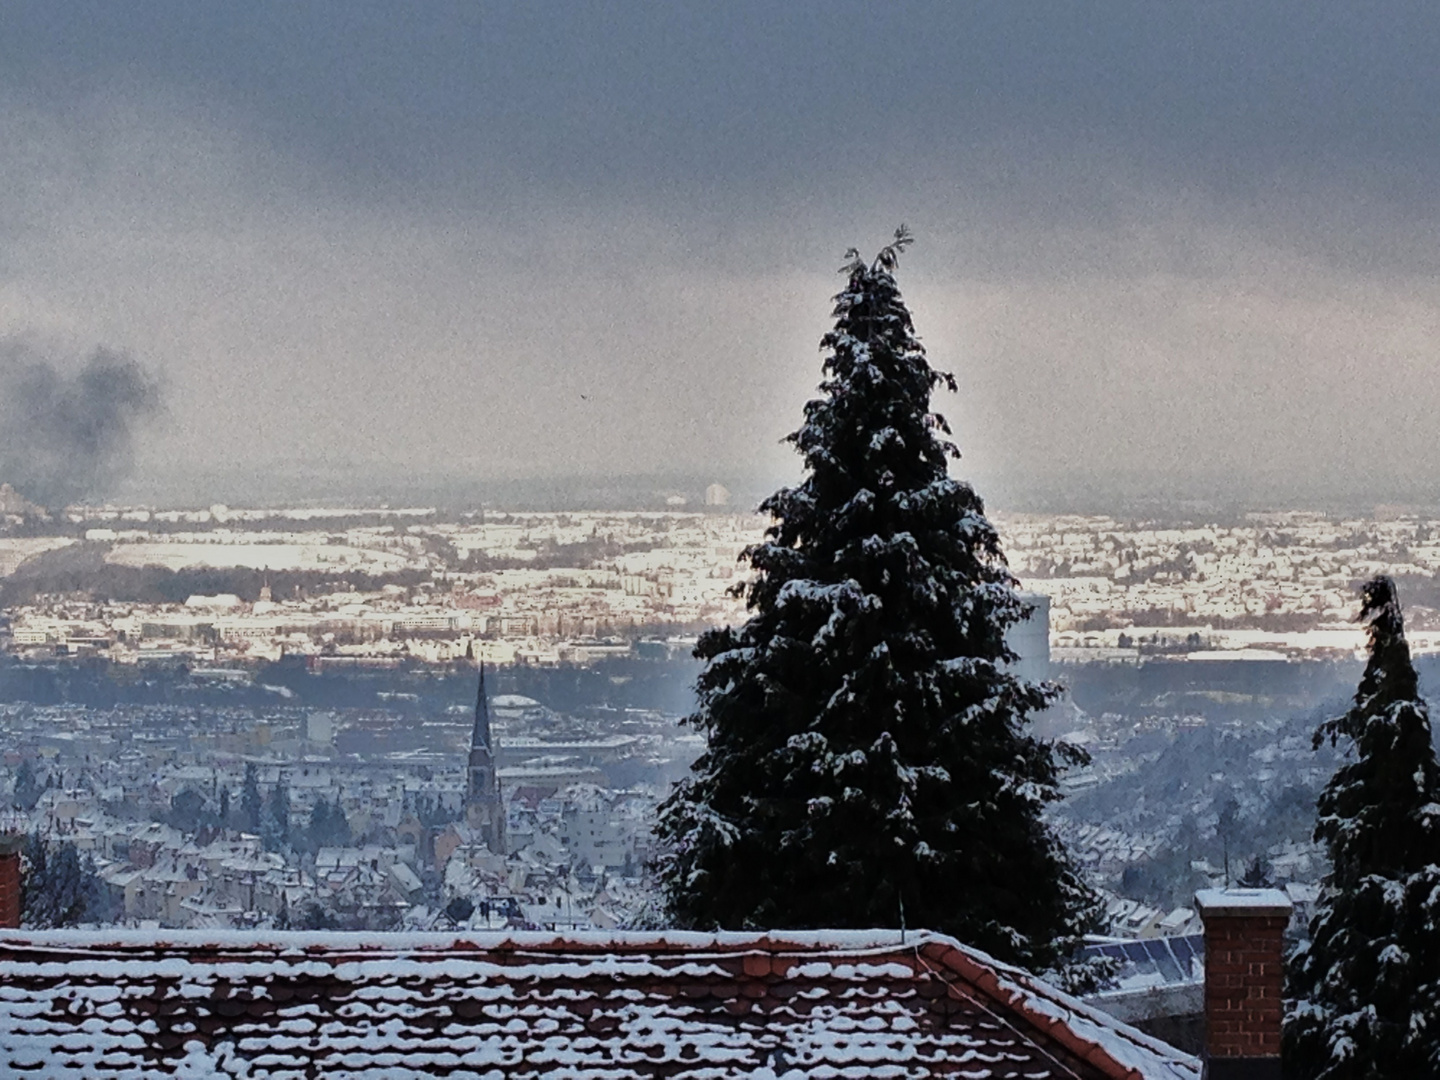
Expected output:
(484, 811)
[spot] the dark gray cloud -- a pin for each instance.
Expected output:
(597, 97)
(69, 434)
(1198, 239)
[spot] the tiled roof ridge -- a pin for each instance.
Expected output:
(728, 940)
(372, 946)
(1072, 1039)
(1052, 1011)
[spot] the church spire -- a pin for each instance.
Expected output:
(484, 809)
(480, 736)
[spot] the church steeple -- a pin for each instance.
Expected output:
(484, 809)
(481, 735)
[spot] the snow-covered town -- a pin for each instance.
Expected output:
(736, 541)
(228, 817)
(355, 816)
(218, 586)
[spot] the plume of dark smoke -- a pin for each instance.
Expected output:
(65, 437)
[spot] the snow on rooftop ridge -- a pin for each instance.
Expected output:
(1147, 1057)
(838, 941)
(514, 701)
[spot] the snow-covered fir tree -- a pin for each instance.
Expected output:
(60, 887)
(328, 825)
(1366, 987)
(251, 801)
(27, 788)
(275, 817)
(868, 760)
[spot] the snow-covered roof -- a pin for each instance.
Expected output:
(513, 701)
(99, 1004)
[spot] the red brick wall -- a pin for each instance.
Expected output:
(9, 888)
(1244, 973)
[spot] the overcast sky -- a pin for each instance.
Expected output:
(1182, 243)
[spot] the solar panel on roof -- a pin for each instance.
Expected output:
(1175, 960)
(1169, 967)
(1183, 951)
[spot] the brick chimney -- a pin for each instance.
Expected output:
(10, 846)
(1244, 978)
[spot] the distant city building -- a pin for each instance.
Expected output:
(215, 602)
(484, 811)
(320, 727)
(1030, 639)
(717, 495)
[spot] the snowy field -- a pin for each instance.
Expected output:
(14, 551)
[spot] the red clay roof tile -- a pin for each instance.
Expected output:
(614, 1006)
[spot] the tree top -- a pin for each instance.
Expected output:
(887, 259)
(1380, 607)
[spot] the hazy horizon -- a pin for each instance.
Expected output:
(375, 483)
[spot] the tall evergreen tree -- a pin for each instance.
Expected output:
(1366, 987)
(868, 759)
(250, 799)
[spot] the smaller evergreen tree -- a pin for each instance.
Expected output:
(280, 808)
(338, 834)
(98, 905)
(250, 800)
(27, 789)
(225, 808)
(319, 828)
(187, 810)
(269, 831)
(314, 917)
(60, 888)
(1366, 987)
(275, 818)
(328, 826)
(1257, 875)
(36, 877)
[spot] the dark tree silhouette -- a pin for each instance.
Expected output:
(1366, 987)
(869, 762)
